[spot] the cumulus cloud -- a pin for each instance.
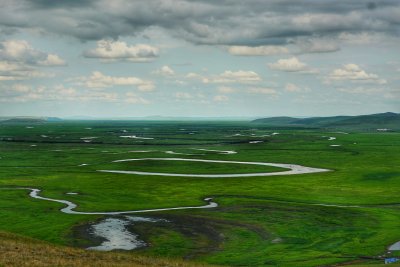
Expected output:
(257, 50)
(52, 60)
(237, 76)
(99, 80)
(22, 52)
(14, 71)
(20, 61)
(292, 64)
(118, 50)
(354, 73)
(165, 71)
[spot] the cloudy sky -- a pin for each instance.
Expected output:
(254, 58)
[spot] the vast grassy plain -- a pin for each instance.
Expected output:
(348, 215)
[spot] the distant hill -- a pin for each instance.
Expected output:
(28, 119)
(388, 121)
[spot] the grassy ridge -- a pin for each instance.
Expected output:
(21, 251)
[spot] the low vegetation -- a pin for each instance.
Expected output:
(21, 251)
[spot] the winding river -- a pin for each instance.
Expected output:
(293, 168)
(70, 206)
(114, 231)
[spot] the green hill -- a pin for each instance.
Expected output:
(388, 120)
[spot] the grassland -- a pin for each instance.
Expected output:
(260, 221)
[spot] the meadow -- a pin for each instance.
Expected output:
(347, 215)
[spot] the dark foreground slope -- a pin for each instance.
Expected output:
(388, 120)
(20, 251)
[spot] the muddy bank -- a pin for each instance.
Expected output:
(115, 234)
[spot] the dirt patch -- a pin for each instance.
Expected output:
(207, 234)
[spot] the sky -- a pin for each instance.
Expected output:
(199, 58)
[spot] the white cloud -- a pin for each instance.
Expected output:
(166, 71)
(22, 52)
(352, 72)
(8, 66)
(180, 82)
(192, 97)
(262, 90)
(290, 87)
(117, 50)
(257, 50)
(132, 98)
(361, 90)
(26, 93)
(99, 80)
(228, 76)
(21, 88)
(237, 76)
(14, 71)
(292, 64)
(17, 50)
(52, 60)
(97, 96)
(20, 61)
(220, 98)
(226, 90)
(192, 75)
(293, 88)
(183, 95)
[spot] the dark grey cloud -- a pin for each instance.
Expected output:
(226, 22)
(117, 50)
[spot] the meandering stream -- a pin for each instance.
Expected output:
(114, 231)
(293, 168)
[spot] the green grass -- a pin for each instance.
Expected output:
(366, 172)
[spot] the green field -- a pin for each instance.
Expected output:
(260, 221)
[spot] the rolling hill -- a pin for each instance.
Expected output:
(388, 120)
